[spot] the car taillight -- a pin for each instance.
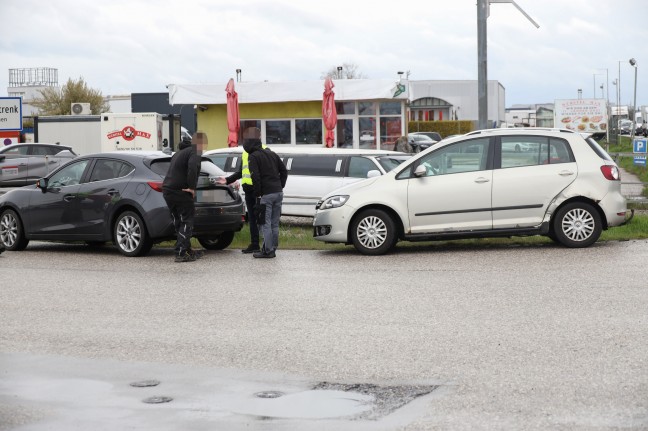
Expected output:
(155, 185)
(611, 172)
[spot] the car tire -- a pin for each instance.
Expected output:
(219, 242)
(577, 225)
(130, 235)
(373, 232)
(12, 234)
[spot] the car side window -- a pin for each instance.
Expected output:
(17, 151)
(106, 169)
(317, 166)
(360, 166)
(465, 156)
(38, 150)
(70, 175)
(517, 151)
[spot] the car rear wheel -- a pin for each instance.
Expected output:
(130, 235)
(219, 242)
(577, 225)
(12, 235)
(373, 232)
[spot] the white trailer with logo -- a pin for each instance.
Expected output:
(87, 134)
(135, 131)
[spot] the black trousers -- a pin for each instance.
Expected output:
(250, 201)
(183, 211)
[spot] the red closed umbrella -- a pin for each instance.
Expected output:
(329, 114)
(233, 120)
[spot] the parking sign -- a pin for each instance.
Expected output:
(639, 146)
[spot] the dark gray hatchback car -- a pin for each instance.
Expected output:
(116, 197)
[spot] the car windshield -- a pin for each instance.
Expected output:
(391, 162)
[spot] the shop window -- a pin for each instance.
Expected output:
(366, 108)
(345, 108)
(277, 132)
(308, 132)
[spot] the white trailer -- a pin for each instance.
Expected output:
(135, 131)
(87, 134)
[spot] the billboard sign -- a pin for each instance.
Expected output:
(10, 113)
(581, 115)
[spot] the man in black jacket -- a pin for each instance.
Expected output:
(269, 177)
(179, 189)
(243, 174)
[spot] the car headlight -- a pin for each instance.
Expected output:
(332, 202)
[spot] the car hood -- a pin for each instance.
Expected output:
(350, 188)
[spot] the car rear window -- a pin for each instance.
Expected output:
(207, 167)
(598, 149)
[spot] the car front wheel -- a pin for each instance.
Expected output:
(219, 242)
(130, 235)
(373, 232)
(577, 225)
(12, 235)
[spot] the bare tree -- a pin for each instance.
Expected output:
(347, 71)
(55, 101)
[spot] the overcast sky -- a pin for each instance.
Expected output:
(122, 47)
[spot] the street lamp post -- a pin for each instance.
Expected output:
(633, 63)
(580, 93)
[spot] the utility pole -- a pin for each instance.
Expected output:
(483, 10)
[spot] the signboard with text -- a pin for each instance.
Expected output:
(581, 115)
(10, 113)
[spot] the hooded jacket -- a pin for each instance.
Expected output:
(183, 170)
(269, 174)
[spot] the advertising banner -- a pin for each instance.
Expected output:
(581, 115)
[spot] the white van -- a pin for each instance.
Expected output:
(314, 172)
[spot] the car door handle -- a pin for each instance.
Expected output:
(481, 180)
(68, 197)
(566, 173)
(112, 192)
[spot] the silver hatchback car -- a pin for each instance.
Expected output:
(564, 186)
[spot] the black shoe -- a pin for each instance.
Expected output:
(251, 249)
(197, 253)
(185, 257)
(262, 254)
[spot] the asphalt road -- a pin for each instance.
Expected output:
(426, 338)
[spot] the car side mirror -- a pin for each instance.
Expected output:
(42, 184)
(373, 173)
(420, 171)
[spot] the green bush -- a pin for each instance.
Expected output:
(444, 128)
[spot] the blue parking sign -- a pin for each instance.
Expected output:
(640, 160)
(639, 146)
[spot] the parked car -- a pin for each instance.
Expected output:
(565, 187)
(314, 172)
(116, 197)
(432, 135)
(25, 163)
(420, 142)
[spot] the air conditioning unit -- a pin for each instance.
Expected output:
(81, 109)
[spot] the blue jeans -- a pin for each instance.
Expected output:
(270, 229)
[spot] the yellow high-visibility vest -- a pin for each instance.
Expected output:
(246, 178)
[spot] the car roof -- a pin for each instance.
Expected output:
(30, 144)
(310, 151)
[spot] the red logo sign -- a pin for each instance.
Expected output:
(129, 133)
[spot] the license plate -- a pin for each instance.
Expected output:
(9, 171)
(213, 195)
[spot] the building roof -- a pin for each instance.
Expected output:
(293, 91)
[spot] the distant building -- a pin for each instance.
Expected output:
(28, 83)
(534, 115)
